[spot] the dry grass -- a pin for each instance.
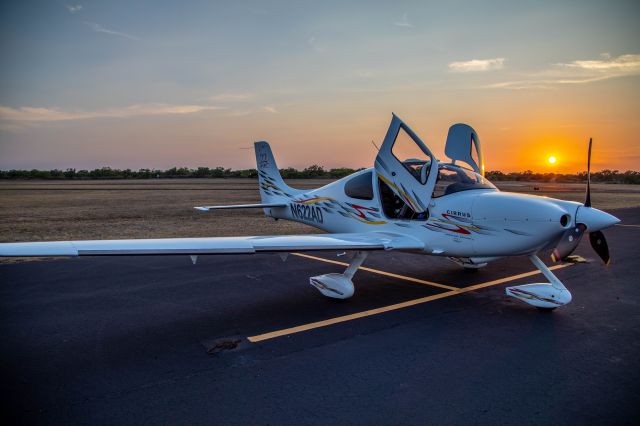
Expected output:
(603, 196)
(60, 210)
(40, 211)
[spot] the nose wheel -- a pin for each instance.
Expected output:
(544, 296)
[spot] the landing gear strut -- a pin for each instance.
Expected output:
(339, 286)
(546, 296)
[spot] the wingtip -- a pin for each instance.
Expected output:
(202, 209)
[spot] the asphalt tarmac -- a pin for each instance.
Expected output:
(246, 339)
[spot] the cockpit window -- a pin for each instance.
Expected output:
(453, 179)
(360, 187)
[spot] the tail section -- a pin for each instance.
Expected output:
(272, 187)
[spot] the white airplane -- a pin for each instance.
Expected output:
(410, 202)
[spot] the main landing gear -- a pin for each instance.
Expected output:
(546, 296)
(339, 286)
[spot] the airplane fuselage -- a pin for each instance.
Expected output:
(474, 223)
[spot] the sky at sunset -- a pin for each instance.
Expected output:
(155, 84)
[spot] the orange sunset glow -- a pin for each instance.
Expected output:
(319, 83)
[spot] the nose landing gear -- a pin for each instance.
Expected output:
(546, 296)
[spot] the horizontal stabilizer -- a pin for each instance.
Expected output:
(240, 206)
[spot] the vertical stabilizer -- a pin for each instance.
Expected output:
(271, 184)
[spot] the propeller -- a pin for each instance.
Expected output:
(587, 201)
(571, 237)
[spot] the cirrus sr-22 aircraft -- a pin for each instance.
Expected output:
(410, 202)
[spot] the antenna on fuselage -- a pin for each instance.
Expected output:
(374, 144)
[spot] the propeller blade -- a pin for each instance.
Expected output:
(568, 243)
(597, 239)
(599, 244)
(587, 202)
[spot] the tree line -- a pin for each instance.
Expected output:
(314, 171)
(603, 176)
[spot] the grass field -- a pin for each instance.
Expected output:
(67, 210)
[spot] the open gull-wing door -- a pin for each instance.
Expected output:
(407, 166)
(463, 145)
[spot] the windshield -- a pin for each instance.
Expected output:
(453, 179)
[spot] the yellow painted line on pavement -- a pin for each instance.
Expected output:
(379, 272)
(394, 307)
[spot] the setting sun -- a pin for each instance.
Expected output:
(552, 160)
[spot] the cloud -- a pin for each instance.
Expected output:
(270, 109)
(542, 84)
(404, 22)
(627, 64)
(232, 97)
(476, 65)
(73, 8)
(100, 29)
(519, 85)
(42, 115)
(576, 72)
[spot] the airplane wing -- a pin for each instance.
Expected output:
(215, 245)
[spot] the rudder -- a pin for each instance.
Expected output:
(270, 181)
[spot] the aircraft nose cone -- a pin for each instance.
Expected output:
(595, 219)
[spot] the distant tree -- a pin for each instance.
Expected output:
(631, 177)
(290, 173)
(248, 173)
(340, 172)
(495, 175)
(202, 172)
(313, 171)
